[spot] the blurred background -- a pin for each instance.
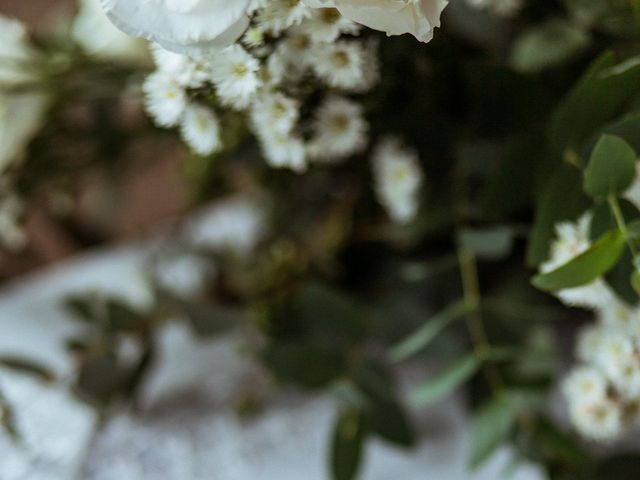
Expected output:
(151, 190)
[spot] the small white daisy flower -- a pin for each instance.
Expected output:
(339, 130)
(327, 24)
(234, 73)
(600, 420)
(585, 384)
(398, 178)
(340, 64)
(200, 129)
(274, 111)
(165, 100)
(279, 15)
(284, 151)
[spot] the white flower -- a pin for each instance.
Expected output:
(340, 64)
(183, 70)
(184, 276)
(200, 129)
(599, 420)
(292, 57)
(615, 350)
(327, 24)
(93, 31)
(395, 17)
(585, 384)
(626, 378)
(284, 150)
(16, 55)
(253, 37)
(21, 115)
(590, 341)
(275, 112)
(339, 130)
(572, 239)
(234, 224)
(183, 26)
(165, 99)
(619, 315)
(278, 15)
(234, 72)
(398, 178)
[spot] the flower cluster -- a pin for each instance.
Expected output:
(603, 392)
(265, 78)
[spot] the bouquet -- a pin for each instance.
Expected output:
(372, 187)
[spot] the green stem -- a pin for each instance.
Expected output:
(617, 214)
(475, 323)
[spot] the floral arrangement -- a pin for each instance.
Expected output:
(377, 185)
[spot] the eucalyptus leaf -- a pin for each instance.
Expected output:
(422, 337)
(446, 381)
(310, 366)
(594, 100)
(586, 267)
(347, 444)
(548, 45)
(491, 426)
(611, 168)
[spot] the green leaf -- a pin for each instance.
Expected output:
(422, 337)
(329, 312)
(347, 444)
(386, 416)
(562, 198)
(635, 281)
(310, 366)
(491, 426)
(389, 420)
(611, 168)
(627, 128)
(547, 45)
(595, 99)
(586, 267)
(603, 221)
(446, 381)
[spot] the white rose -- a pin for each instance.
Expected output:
(182, 26)
(93, 31)
(395, 17)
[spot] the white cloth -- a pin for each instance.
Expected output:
(187, 429)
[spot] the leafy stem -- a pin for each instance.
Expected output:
(620, 222)
(475, 323)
